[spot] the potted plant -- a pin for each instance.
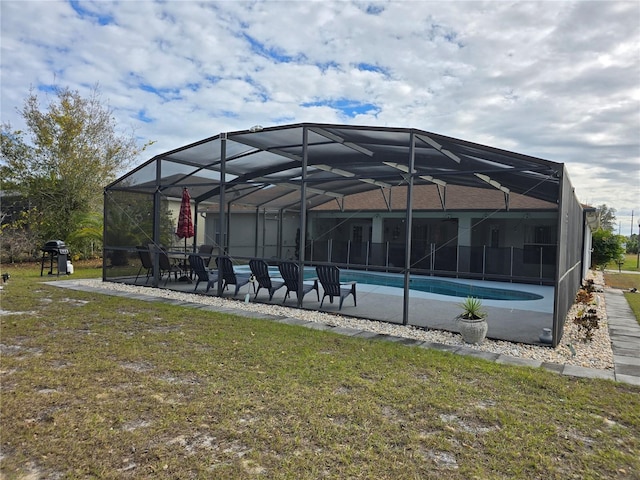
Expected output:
(472, 321)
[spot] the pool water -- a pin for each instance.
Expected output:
(435, 285)
(425, 284)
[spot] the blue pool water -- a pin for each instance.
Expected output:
(435, 285)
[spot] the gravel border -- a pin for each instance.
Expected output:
(571, 351)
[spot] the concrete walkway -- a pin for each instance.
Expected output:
(624, 332)
(625, 337)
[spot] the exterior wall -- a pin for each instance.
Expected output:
(507, 245)
(591, 224)
(514, 229)
(586, 254)
(276, 234)
(242, 234)
(503, 245)
(515, 244)
(174, 209)
(255, 234)
(290, 225)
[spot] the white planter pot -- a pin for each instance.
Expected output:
(473, 331)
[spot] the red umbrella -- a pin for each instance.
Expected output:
(185, 223)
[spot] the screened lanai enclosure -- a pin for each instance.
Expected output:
(418, 220)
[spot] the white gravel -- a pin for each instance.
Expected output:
(572, 350)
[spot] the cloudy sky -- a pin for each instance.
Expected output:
(557, 80)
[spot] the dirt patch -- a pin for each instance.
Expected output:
(167, 329)
(444, 460)
(179, 380)
(466, 426)
(135, 424)
(342, 390)
(139, 367)
(9, 312)
(18, 351)
(74, 302)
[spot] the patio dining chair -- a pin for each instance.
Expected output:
(291, 276)
(329, 276)
(165, 264)
(260, 270)
(203, 274)
(206, 252)
(229, 276)
(146, 262)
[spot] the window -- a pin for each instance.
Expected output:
(356, 234)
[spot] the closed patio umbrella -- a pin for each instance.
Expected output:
(185, 222)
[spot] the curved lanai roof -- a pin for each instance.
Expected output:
(264, 167)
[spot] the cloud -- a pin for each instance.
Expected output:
(557, 80)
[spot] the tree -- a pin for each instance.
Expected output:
(18, 237)
(607, 217)
(72, 152)
(87, 233)
(607, 248)
(632, 243)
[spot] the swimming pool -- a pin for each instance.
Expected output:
(437, 286)
(450, 288)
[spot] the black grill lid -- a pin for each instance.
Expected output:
(55, 246)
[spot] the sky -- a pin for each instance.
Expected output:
(558, 80)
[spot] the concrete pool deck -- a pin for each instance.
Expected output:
(514, 321)
(519, 321)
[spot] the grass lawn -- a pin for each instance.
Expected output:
(626, 281)
(630, 263)
(95, 386)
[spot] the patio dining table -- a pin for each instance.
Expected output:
(181, 260)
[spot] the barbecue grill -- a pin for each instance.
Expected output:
(55, 250)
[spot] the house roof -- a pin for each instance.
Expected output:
(263, 167)
(427, 198)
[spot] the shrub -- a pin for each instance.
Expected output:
(472, 309)
(587, 322)
(583, 296)
(589, 286)
(607, 247)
